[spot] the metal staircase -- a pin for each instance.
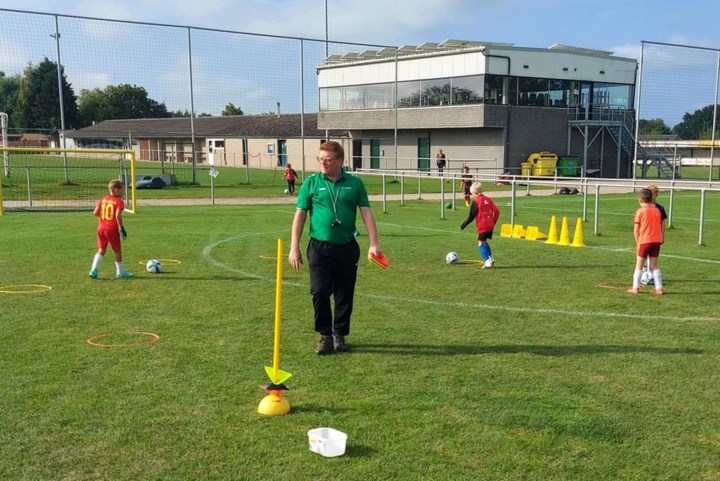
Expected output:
(619, 123)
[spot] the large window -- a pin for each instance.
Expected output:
(468, 90)
(475, 89)
(436, 92)
(409, 94)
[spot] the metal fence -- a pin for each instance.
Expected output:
(678, 85)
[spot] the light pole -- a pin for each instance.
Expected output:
(56, 36)
(326, 29)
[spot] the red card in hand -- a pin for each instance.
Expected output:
(380, 261)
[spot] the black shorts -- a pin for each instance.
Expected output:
(483, 236)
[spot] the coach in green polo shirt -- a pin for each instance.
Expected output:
(332, 198)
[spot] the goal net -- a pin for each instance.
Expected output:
(48, 179)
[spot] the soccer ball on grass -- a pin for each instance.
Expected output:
(452, 258)
(153, 266)
(286, 191)
(646, 277)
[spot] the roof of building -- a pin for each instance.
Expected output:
(251, 126)
(449, 46)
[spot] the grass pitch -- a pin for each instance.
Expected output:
(525, 371)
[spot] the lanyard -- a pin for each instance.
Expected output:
(334, 194)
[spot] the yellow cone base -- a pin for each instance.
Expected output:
(274, 405)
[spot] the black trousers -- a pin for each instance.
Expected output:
(333, 272)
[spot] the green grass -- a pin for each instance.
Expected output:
(525, 371)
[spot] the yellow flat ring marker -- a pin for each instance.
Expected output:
(24, 289)
(163, 261)
(153, 339)
(606, 285)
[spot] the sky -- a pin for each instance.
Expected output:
(618, 26)
(614, 25)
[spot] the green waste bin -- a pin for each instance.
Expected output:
(569, 166)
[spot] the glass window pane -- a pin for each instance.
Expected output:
(380, 96)
(467, 90)
(436, 92)
(409, 94)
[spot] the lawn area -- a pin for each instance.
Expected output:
(541, 368)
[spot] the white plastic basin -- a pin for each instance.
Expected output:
(328, 442)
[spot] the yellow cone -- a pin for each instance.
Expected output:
(533, 233)
(578, 240)
(564, 234)
(552, 235)
(518, 231)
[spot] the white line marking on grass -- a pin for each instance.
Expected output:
(464, 305)
(662, 255)
(207, 254)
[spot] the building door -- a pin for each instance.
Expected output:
(423, 153)
(357, 154)
(374, 154)
(216, 151)
(282, 153)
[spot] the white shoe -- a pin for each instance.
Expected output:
(488, 264)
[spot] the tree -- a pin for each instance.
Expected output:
(653, 128)
(230, 109)
(186, 113)
(38, 105)
(697, 125)
(10, 97)
(122, 101)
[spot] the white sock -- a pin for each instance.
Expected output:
(636, 278)
(657, 275)
(120, 268)
(96, 262)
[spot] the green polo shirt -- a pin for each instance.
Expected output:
(317, 196)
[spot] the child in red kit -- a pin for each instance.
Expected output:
(486, 215)
(110, 227)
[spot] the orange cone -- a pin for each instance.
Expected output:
(564, 234)
(578, 240)
(552, 235)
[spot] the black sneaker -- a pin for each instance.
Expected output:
(339, 343)
(325, 346)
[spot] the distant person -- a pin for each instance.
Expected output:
(441, 160)
(466, 183)
(290, 176)
(649, 237)
(332, 199)
(486, 215)
(110, 226)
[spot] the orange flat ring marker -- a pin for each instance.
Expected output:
(605, 285)
(153, 339)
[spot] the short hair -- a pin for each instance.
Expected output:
(116, 184)
(645, 195)
(654, 189)
(476, 188)
(334, 147)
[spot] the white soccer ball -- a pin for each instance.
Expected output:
(646, 277)
(452, 258)
(286, 191)
(153, 266)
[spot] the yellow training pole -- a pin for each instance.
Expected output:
(278, 308)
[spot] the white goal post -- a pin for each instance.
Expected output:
(53, 179)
